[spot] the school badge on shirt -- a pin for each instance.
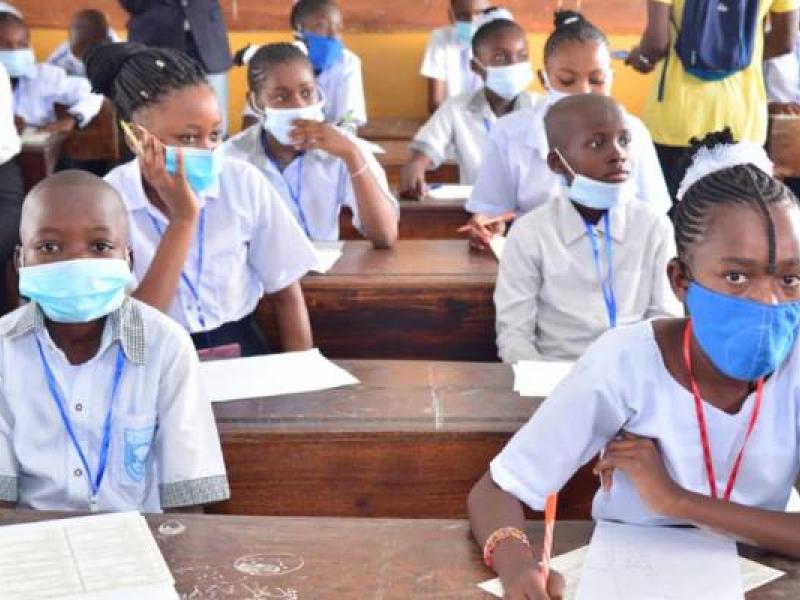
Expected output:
(137, 447)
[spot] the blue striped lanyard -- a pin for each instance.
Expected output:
(194, 288)
(102, 460)
(606, 283)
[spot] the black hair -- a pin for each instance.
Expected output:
(270, 55)
(743, 184)
(572, 26)
(491, 29)
(133, 76)
(9, 17)
(303, 9)
(96, 18)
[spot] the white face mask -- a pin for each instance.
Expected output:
(510, 81)
(592, 193)
(280, 121)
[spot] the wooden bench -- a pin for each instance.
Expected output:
(424, 299)
(419, 220)
(99, 140)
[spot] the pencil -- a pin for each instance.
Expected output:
(549, 526)
(126, 129)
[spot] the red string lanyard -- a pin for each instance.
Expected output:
(701, 422)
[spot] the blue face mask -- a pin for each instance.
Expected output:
(323, 52)
(745, 339)
(464, 32)
(202, 166)
(77, 291)
(18, 62)
(592, 193)
(509, 82)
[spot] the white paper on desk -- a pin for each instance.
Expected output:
(450, 192)
(100, 557)
(329, 253)
(537, 378)
(498, 244)
(31, 136)
(271, 375)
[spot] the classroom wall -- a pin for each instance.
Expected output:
(391, 64)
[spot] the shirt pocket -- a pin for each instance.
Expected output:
(132, 456)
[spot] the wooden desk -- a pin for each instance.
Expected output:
(351, 559)
(424, 299)
(409, 441)
(419, 220)
(783, 145)
(99, 140)
(390, 129)
(397, 155)
(37, 159)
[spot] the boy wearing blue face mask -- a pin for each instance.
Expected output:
(463, 123)
(39, 87)
(592, 258)
(109, 415)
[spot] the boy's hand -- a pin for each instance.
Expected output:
(412, 180)
(528, 585)
(481, 229)
(639, 61)
(312, 135)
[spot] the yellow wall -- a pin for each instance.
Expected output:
(391, 64)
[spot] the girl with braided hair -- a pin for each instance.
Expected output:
(699, 416)
(209, 233)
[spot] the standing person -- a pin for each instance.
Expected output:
(11, 189)
(196, 27)
(723, 88)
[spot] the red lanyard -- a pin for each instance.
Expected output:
(701, 422)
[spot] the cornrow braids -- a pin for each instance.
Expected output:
(134, 76)
(303, 9)
(743, 184)
(572, 26)
(267, 57)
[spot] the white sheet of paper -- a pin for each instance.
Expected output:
(271, 375)
(450, 192)
(328, 253)
(31, 136)
(498, 244)
(537, 378)
(111, 556)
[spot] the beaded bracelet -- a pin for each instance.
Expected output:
(500, 535)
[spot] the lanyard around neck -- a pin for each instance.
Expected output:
(607, 282)
(703, 426)
(102, 461)
(296, 192)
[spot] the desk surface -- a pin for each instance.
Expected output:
(419, 220)
(390, 129)
(350, 559)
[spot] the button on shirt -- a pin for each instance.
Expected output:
(621, 383)
(165, 449)
(447, 60)
(252, 244)
(514, 175)
(324, 188)
(462, 123)
(37, 94)
(548, 299)
(9, 140)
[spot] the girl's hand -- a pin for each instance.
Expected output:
(528, 585)
(312, 135)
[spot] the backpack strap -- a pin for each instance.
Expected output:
(663, 78)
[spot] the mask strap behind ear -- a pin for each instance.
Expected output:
(564, 162)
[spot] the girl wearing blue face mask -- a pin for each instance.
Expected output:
(209, 234)
(703, 410)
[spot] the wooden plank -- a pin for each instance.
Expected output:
(348, 559)
(419, 220)
(397, 154)
(390, 129)
(613, 16)
(409, 441)
(38, 160)
(424, 299)
(99, 140)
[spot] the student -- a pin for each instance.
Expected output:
(514, 176)
(318, 26)
(39, 88)
(108, 414)
(673, 382)
(464, 122)
(591, 258)
(316, 168)
(209, 234)
(88, 27)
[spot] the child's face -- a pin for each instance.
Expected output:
(326, 22)
(188, 117)
(288, 85)
(580, 68)
(465, 10)
(732, 257)
(508, 48)
(13, 36)
(83, 32)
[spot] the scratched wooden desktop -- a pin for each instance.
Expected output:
(409, 441)
(426, 219)
(423, 299)
(284, 558)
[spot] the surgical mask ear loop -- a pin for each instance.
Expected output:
(564, 162)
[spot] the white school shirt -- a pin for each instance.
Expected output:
(9, 139)
(514, 175)
(621, 383)
(462, 124)
(447, 60)
(165, 450)
(314, 186)
(38, 92)
(64, 58)
(782, 76)
(252, 244)
(548, 300)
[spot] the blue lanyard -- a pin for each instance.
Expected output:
(102, 461)
(295, 194)
(606, 283)
(487, 125)
(194, 288)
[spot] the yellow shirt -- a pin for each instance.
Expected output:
(692, 107)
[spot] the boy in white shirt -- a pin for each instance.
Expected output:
(591, 258)
(463, 123)
(88, 27)
(108, 414)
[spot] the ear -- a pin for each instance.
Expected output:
(557, 166)
(18, 258)
(678, 278)
(478, 69)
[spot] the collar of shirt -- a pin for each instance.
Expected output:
(571, 224)
(479, 105)
(127, 327)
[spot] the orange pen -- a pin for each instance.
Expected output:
(549, 526)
